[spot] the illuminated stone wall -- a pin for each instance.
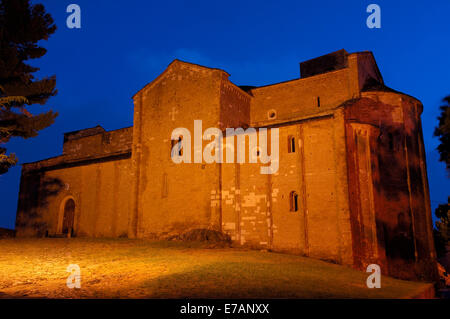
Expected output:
(358, 170)
(100, 186)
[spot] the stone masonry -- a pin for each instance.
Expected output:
(351, 187)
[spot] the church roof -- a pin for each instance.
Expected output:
(177, 61)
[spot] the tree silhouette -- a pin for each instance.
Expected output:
(443, 132)
(22, 26)
(442, 231)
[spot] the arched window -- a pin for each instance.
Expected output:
(177, 143)
(293, 201)
(291, 144)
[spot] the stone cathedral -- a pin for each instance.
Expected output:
(351, 187)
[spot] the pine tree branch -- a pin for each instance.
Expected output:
(11, 101)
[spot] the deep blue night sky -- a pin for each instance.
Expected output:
(123, 45)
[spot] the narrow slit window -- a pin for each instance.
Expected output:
(293, 199)
(291, 144)
(318, 101)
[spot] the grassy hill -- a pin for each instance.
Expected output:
(125, 268)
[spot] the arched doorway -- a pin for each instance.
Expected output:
(68, 217)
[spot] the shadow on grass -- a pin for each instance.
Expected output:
(315, 280)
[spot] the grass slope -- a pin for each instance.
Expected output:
(125, 268)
